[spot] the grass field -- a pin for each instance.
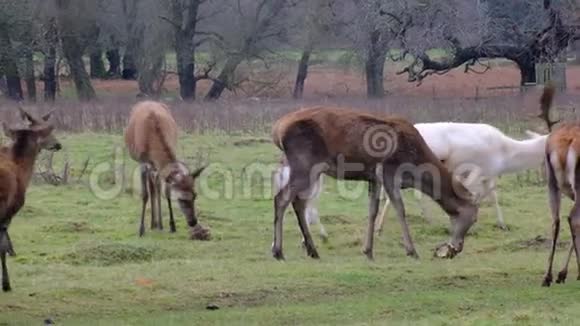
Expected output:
(80, 261)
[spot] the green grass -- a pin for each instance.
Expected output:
(80, 261)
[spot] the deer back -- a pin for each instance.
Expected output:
(151, 134)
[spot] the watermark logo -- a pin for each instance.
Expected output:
(380, 141)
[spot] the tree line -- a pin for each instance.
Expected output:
(130, 39)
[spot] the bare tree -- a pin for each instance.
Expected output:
(49, 72)
(185, 14)
(152, 37)
(9, 65)
(524, 31)
(254, 25)
(73, 26)
(130, 9)
(319, 22)
(11, 22)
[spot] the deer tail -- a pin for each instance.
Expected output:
(546, 104)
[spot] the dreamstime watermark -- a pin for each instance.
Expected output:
(380, 141)
(255, 180)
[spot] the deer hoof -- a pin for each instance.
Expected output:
(446, 250)
(312, 253)
(562, 277)
(369, 254)
(6, 287)
(547, 281)
(503, 227)
(413, 254)
(277, 254)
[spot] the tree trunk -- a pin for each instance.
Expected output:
(97, 65)
(73, 49)
(114, 58)
(74, 57)
(9, 67)
(150, 73)
(3, 86)
(29, 75)
(129, 67)
(49, 71)
(50, 75)
(224, 79)
(185, 49)
(302, 73)
(527, 71)
(374, 68)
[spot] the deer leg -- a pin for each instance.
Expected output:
(172, 228)
(157, 181)
(490, 188)
(394, 194)
(144, 197)
(574, 219)
(281, 202)
(424, 208)
(312, 218)
(3, 248)
(10, 249)
(374, 201)
(554, 198)
(153, 193)
(564, 272)
(300, 207)
(380, 221)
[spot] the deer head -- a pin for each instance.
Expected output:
(41, 128)
(182, 185)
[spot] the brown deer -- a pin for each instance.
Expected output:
(563, 174)
(151, 138)
(16, 167)
(351, 145)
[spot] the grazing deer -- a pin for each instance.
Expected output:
(351, 145)
(480, 153)
(282, 176)
(16, 167)
(477, 153)
(563, 174)
(151, 138)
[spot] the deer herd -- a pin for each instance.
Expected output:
(455, 164)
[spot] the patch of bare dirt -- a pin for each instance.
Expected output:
(251, 142)
(539, 242)
(335, 219)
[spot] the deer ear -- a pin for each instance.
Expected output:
(47, 115)
(198, 172)
(25, 115)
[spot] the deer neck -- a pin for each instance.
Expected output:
(441, 187)
(523, 154)
(24, 158)
(173, 166)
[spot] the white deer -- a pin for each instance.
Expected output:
(477, 153)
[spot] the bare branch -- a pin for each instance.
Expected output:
(174, 24)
